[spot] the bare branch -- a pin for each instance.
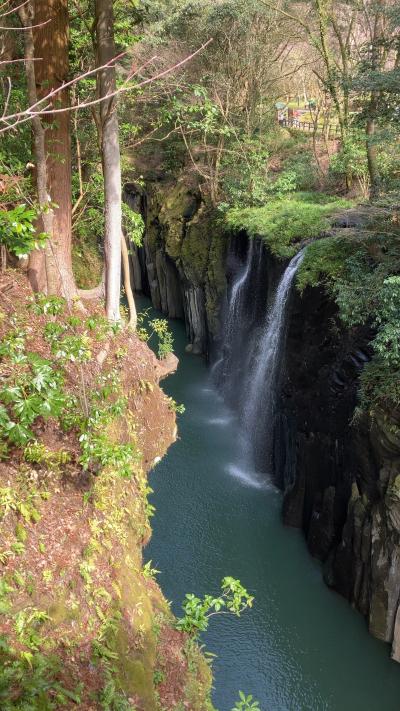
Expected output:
(14, 61)
(7, 101)
(25, 27)
(30, 113)
(14, 9)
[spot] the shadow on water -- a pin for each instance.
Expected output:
(301, 647)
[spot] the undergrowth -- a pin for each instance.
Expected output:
(35, 389)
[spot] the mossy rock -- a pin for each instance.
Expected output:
(195, 251)
(216, 277)
(178, 206)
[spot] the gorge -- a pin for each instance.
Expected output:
(289, 371)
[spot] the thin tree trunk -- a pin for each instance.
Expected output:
(127, 284)
(372, 156)
(37, 272)
(110, 158)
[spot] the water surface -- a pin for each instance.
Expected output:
(301, 647)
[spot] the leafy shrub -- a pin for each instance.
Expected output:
(323, 261)
(31, 388)
(155, 329)
(351, 159)
(287, 182)
(234, 599)
(17, 232)
(246, 703)
(133, 225)
(48, 305)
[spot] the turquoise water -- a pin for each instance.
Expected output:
(301, 647)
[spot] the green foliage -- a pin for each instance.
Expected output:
(48, 305)
(17, 232)
(380, 381)
(175, 407)
(133, 225)
(29, 681)
(155, 329)
(104, 651)
(285, 183)
(31, 388)
(234, 599)
(387, 321)
(360, 271)
(351, 160)
(246, 703)
(283, 223)
(244, 168)
(149, 572)
(28, 677)
(38, 453)
(10, 500)
(323, 261)
(199, 114)
(97, 448)
(158, 677)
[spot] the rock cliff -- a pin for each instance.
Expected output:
(340, 474)
(181, 263)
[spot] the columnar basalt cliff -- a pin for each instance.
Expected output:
(181, 263)
(341, 475)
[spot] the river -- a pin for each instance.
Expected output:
(301, 647)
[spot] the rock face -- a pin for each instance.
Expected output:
(340, 474)
(181, 263)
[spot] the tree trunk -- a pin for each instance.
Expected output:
(372, 158)
(37, 263)
(51, 46)
(127, 284)
(110, 158)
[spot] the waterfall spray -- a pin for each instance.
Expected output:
(222, 369)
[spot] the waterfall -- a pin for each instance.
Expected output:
(250, 363)
(224, 368)
(263, 384)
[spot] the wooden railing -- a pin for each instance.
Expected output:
(332, 131)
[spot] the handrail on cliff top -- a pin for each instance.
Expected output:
(332, 133)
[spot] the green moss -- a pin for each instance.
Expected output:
(195, 250)
(199, 679)
(216, 277)
(324, 261)
(60, 612)
(395, 488)
(21, 533)
(178, 205)
(282, 224)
